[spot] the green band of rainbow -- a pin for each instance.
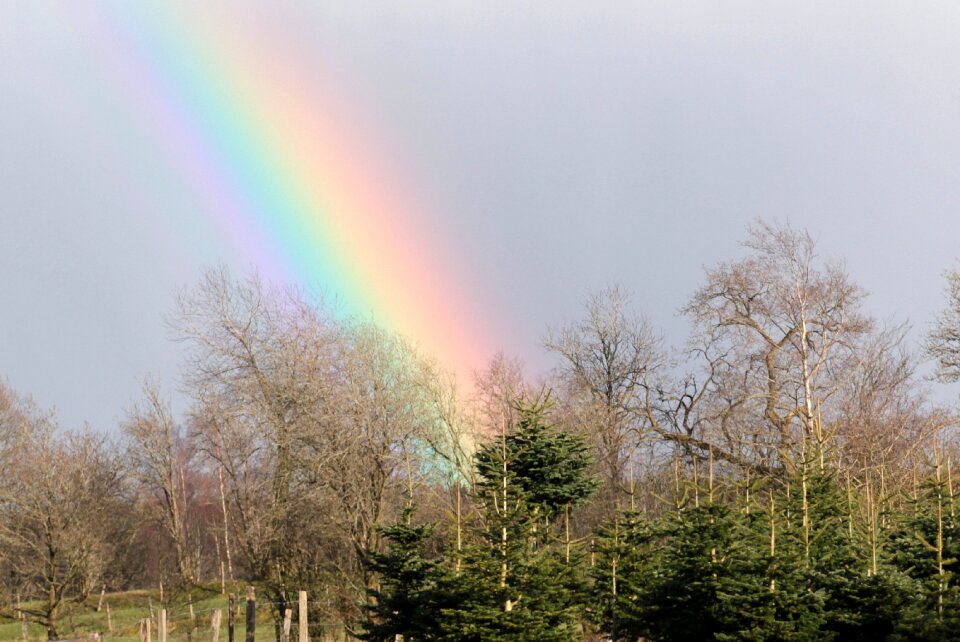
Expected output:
(287, 175)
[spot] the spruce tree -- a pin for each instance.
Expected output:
(765, 596)
(516, 581)
(926, 549)
(683, 602)
(412, 589)
(628, 553)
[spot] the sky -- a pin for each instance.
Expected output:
(507, 158)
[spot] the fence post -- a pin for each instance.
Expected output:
(231, 612)
(303, 634)
(100, 601)
(162, 626)
(109, 619)
(287, 617)
(251, 614)
(24, 627)
(215, 626)
(145, 630)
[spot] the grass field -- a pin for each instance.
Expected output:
(128, 608)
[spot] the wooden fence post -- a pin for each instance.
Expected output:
(24, 627)
(231, 612)
(109, 619)
(303, 634)
(162, 626)
(215, 626)
(145, 630)
(287, 617)
(100, 601)
(251, 614)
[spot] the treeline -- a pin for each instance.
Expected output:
(801, 556)
(782, 475)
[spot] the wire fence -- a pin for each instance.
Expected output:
(182, 620)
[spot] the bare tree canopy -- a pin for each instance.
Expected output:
(943, 341)
(774, 331)
(61, 497)
(158, 454)
(608, 360)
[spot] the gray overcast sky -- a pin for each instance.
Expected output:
(569, 145)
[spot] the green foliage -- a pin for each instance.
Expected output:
(684, 599)
(410, 595)
(627, 555)
(795, 569)
(517, 580)
(538, 600)
(766, 596)
(928, 541)
(799, 565)
(544, 467)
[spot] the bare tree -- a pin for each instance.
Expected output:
(498, 388)
(772, 329)
(58, 500)
(608, 360)
(452, 435)
(316, 422)
(943, 341)
(258, 370)
(157, 455)
(882, 417)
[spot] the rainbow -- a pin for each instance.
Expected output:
(293, 177)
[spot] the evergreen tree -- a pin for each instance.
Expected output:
(925, 552)
(516, 582)
(832, 559)
(765, 596)
(628, 553)
(805, 575)
(543, 466)
(412, 589)
(683, 601)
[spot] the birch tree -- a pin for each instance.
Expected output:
(772, 330)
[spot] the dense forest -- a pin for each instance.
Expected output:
(782, 475)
